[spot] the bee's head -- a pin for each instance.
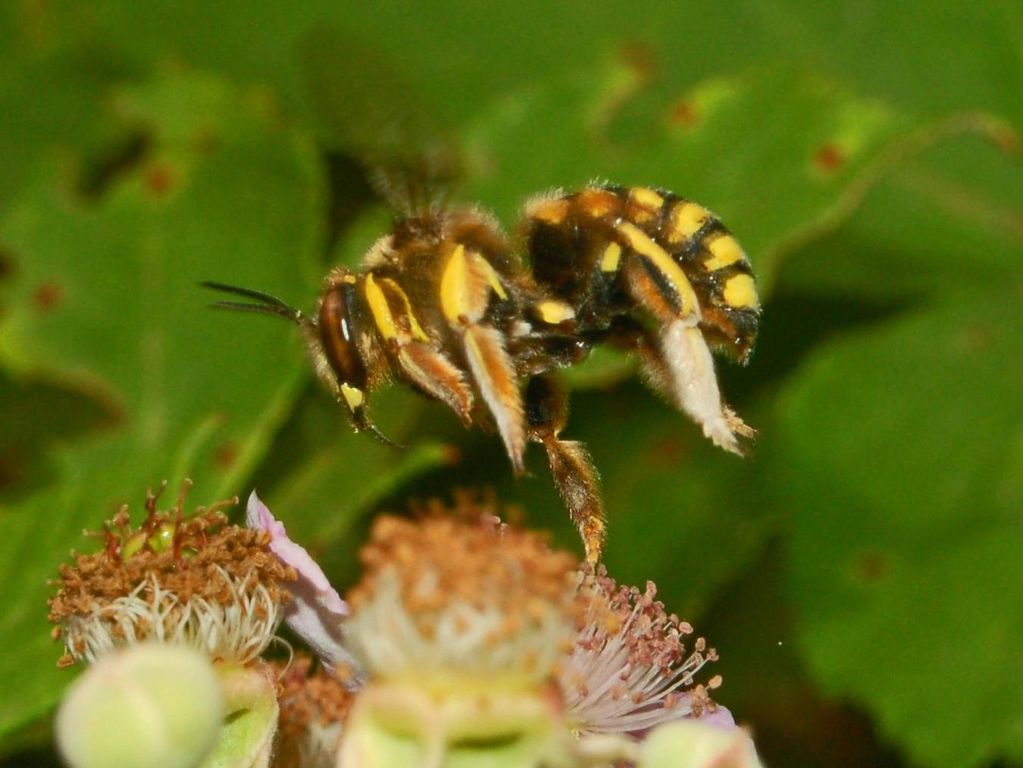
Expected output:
(337, 337)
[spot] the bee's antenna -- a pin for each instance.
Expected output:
(383, 438)
(267, 304)
(362, 422)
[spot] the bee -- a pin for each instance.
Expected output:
(446, 304)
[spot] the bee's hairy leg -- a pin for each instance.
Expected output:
(467, 285)
(431, 371)
(695, 385)
(574, 474)
(680, 362)
(494, 374)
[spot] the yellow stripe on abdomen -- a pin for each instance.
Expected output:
(724, 251)
(741, 292)
(642, 244)
(685, 220)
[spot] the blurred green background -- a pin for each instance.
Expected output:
(861, 574)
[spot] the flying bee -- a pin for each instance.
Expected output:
(444, 304)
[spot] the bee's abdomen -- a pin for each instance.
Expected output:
(580, 243)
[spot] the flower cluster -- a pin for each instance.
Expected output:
(465, 630)
(193, 581)
(172, 618)
(465, 641)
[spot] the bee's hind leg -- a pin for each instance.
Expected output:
(574, 474)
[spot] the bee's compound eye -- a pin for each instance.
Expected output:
(338, 336)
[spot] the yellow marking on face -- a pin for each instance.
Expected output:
(554, 312)
(598, 202)
(741, 292)
(645, 203)
(723, 252)
(379, 308)
(549, 211)
(492, 276)
(416, 329)
(686, 220)
(641, 243)
(350, 279)
(609, 260)
(353, 397)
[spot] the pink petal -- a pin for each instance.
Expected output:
(719, 718)
(316, 611)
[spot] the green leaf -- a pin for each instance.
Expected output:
(952, 215)
(49, 109)
(900, 467)
(105, 300)
(780, 154)
(37, 416)
(932, 57)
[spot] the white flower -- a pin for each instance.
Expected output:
(446, 597)
(629, 668)
(192, 581)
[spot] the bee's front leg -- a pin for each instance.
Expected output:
(466, 285)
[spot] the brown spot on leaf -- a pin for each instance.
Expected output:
(47, 295)
(226, 455)
(1007, 139)
(684, 113)
(872, 567)
(828, 158)
(159, 179)
(639, 57)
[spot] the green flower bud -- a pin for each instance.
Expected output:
(398, 724)
(149, 705)
(692, 744)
